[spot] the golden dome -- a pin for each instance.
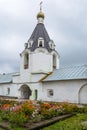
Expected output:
(40, 15)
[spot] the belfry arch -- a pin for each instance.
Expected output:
(26, 61)
(54, 61)
(25, 92)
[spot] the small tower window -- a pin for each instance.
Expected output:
(30, 43)
(40, 42)
(52, 45)
(26, 45)
(26, 61)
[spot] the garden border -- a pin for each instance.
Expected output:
(2, 125)
(45, 123)
(39, 125)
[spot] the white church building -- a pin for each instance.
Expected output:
(40, 76)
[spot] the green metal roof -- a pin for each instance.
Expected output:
(68, 73)
(6, 78)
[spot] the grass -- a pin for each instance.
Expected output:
(17, 128)
(73, 123)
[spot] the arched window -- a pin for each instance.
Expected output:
(54, 61)
(26, 61)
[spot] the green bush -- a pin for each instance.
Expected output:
(82, 109)
(85, 109)
(17, 118)
(68, 108)
(27, 108)
(4, 115)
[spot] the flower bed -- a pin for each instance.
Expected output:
(33, 111)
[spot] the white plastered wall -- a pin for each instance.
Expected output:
(41, 62)
(13, 90)
(63, 90)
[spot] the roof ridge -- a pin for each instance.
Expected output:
(9, 73)
(73, 66)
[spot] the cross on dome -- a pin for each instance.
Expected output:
(41, 5)
(40, 14)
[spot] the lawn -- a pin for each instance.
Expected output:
(73, 123)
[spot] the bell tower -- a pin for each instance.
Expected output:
(39, 55)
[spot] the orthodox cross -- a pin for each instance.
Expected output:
(41, 5)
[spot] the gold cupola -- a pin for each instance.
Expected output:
(40, 14)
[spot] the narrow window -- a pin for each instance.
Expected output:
(8, 91)
(26, 61)
(50, 93)
(36, 94)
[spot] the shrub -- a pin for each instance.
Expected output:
(85, 109)
(68, 108)
(4, 115)
(46, 114)
(18, 118)
(82, 109)
(27, 108)
(45, 105)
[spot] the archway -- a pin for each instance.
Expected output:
(25, 92)
(83, 95)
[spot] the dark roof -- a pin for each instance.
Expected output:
(68, 73)
(40, 31)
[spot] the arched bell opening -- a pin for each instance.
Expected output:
(54, 61)
(26, 61)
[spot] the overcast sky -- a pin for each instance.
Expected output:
(65, 21)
